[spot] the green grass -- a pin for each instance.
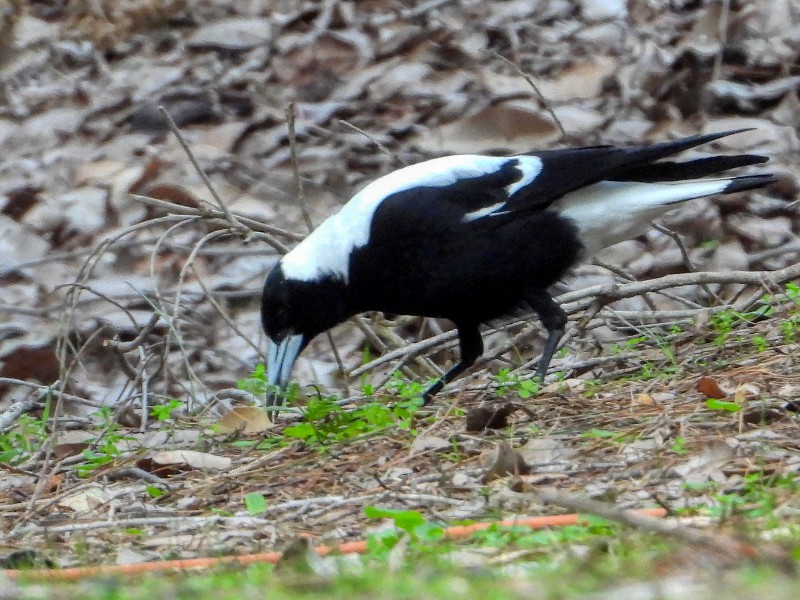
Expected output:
(566, 570)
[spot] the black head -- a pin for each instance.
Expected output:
(293, 312)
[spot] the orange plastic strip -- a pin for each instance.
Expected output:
(356, 547)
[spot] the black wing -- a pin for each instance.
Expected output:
(564, 171)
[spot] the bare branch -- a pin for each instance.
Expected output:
(229, 216)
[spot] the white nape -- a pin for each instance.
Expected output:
(612, 211)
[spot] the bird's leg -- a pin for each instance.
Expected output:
(471, 347)
(554, 320)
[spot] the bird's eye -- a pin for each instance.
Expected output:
(282, 312)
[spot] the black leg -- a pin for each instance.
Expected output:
(554, 320)
(471, 347)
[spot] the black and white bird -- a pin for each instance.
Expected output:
(471, 238)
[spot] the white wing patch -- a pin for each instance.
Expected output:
(483, 212)
(326, 251)
(611, 211)
(530, 166)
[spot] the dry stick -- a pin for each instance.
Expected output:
(143, 360)
(298, 183)
(543, 100)
(664, 293)
(659, 316)
(229, 216)
(64, 375)
(722, 31)
(63, 347)
(687, 261)
(620, 272)
(217, 217)
(227, 318)
(577, 300)
(9, 416)
(175, 322)
(159, 305)
(231, 221)
(301, 198)
(725, 545)
(379, 145)
(45, 389)
(391, 338)
(790, 248)
(373, 338)
(323, 21)
(407, 351)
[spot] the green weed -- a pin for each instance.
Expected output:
(22, 441)
(722, 405)
(511, 382)
(106, 448)
(257, 385)
(757, 496)
(679, 445)
(163, 412)
(255, 503)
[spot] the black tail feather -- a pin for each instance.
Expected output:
(647, 154)
(692, 169)
(749, 182)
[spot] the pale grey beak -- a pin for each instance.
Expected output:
(280, 360)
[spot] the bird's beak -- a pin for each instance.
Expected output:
(281, 357)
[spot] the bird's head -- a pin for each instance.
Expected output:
(293, 312)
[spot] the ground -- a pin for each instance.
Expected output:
(129, 295)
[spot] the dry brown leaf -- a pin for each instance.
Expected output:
(98, 171)
(707, 465)
(502, 461)
(233, 34)
(29, 362)
(579, 81)
(62, 451)
(87, 499)
(514, 126)
(644, 400)
(18, 244)
(424, 442)
(191, 459)
(19, 201)
(709, 387)
(493, 416)
(172, 193)
(544, 450)
(248, 419)
(763, 415)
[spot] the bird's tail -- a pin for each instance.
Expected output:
(611, 211)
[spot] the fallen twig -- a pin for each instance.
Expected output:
(725, 546)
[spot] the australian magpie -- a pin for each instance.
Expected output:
(471, 238)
